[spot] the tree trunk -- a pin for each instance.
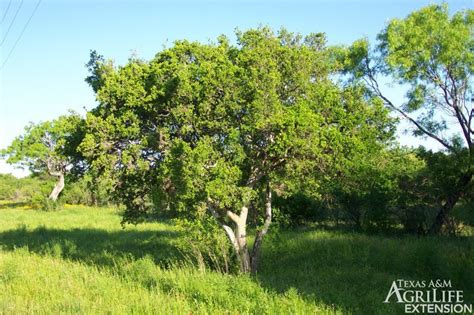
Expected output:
(58, 187)
(442, 217)
(241, 236)
(238, 238)
(255, 258)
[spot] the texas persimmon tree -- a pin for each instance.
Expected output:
(218, 129)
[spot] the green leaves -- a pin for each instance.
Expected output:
(208, 125)
(431, 53)
(46, 146)
(427, 40)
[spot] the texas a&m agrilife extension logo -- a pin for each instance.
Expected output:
(428, 297)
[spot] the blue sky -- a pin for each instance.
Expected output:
(44, 76)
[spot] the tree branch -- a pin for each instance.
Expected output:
(234, 217)
(376, 89)
(230, 234)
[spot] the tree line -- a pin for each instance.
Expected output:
(276, 126)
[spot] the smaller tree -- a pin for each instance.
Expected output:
(46, 147)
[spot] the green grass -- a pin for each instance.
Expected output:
(354, 271)
(80, 260)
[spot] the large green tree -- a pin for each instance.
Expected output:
(431, 53)
(217, 129)
(47, 147)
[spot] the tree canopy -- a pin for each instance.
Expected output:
(215, 129)
(46, 147)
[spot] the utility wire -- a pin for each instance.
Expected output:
(6, 11)
(21, 34)
(11, 23)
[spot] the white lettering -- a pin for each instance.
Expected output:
(394, 290)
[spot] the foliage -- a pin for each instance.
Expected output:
(437, 67)
(198, 110)
(32, 191)
(214, 128)
(87, 191)
(424, 194)
(40, 202)
(22, 190)
(298, 209)
(44, 146)
(383, 191)
(204, 245)
(367, 191)
(431, 53)
(47, 147)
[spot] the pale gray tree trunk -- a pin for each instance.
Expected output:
(58, 187)
(264, 230)
(238, 237)
(248, 262)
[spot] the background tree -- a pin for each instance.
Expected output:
(46, 147)
(217, 129)
(373, 192)
(433, 54)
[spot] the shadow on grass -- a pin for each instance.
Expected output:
(12, 204)
(373, 230)
(354, 271)
(92, 246)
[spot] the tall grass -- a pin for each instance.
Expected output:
(31, 283)
(355, 271)
(80, 260)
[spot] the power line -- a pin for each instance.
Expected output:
(11, 23)
(6, 11)
(21, 34)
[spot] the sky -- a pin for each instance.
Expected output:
(42, 66)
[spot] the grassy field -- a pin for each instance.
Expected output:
(80, 260)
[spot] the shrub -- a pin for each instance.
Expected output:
(205, 245)
(41, 202)
(87, 191)
(298, 209)
(25, 190)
